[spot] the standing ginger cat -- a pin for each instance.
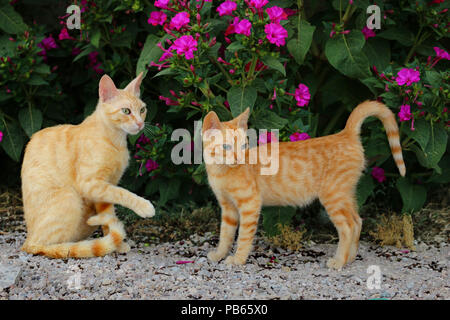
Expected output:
(70, 173)
(327, 168)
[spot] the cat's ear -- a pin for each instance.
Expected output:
(107, 89)
(211, 122)
(134, 86)
(242, 119)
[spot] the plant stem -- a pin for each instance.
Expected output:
(416, 43)
(249, 78)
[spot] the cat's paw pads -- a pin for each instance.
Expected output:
(123, 248)
(215, 256)
(336, 264)
(235, 261)
(145, 209)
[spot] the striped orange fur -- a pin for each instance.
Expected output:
(327, 168)
(70, 175)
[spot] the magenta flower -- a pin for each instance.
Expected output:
(76, 51)
(378, 174)
(157, 17)
(151, 165)
(48, 43)
(441, 53)
(226, 8)
(185, 45)
(297, 136)
(243, 27)
(1, 136)
(407, 76)
(163, 4)
(94, 63)
(302, 95)
(64, 34)
(258, 4)
(276, 34)
(368, 33)
(267, 137)
(405, 113)
(180, 20)
(276, 14)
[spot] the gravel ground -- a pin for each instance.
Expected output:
(152, 272)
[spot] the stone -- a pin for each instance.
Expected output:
(9, 275)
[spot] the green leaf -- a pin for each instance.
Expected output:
(402, 35)
(13, 140)
(413, 196)
(150, 52)
(30, 119)
(421, 134)
(151, 131)
(42, 69)
(240, 99)
(199, 175)
(433, 78)
(168, 191)
(165, 72)
(275, 215)
(299, 46)
(10, 20)
(7, 47)
(344, 52)
(273, 63)
(36, 80)
(378, 53)
(95, 39)
(235, 46)
(267, 119)
(364, 189)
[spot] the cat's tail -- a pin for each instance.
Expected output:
(379, 110)
(83, 249)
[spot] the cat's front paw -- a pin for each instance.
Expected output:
(145, 209)
(334, 263)
(215, 256)
(123, 248)
(234, 260)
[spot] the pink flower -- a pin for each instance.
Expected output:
(76, 51)
(64, 34)
(405, 113)
(151, 165)
(268, 137)
(378, 174)
(163, 4)
(157, 17)
(441, 53)
(226, 8)
(180, 20)
(276, 14)
(276, 34)
(243, 27)
(407, 76)
(297, 136)
(94, 63)
(47, 44)
(302, 95)
(185, 45)
(258, 4)
(1, 136)
(368, 33)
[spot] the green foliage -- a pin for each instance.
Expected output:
(44, 83)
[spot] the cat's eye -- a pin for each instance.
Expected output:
(227, 146)
(126, 111)
(143, 109)
(244, 146)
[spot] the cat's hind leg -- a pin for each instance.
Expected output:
(341, 210)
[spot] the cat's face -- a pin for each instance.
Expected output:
(225, 142)
(123, 108)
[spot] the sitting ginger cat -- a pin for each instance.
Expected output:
(70, 175)
(327, 168)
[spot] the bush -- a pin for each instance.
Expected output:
(301, 69)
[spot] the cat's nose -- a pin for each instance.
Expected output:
(140, 125)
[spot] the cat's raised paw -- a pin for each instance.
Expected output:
(233, 260)
(215, 256)
(145, 209)
(336, 264)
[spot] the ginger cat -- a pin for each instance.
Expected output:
(70, 173)
(327, 168)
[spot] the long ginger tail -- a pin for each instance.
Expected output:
(82, 249)
(379, 110)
